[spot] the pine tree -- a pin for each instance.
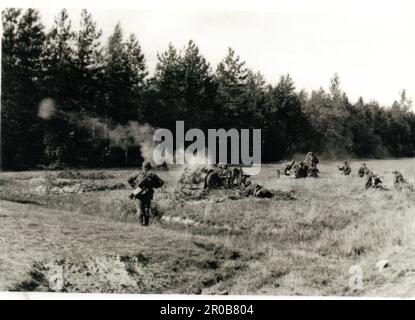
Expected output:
(286, 124)
(165, 102)
(59, 62)
(231, 76)
(117, 78)
(198, 87)
(61, 135)
(136, 67)
(23, 41)
(89, 65)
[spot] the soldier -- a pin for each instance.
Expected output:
(400, 183)
(144, 182)
(288, 167)
(363, 170)
(373, 181)
(237, 176)
(261, 192)
(258, 191)
(311, 160)
(301, 170)
(345, 169)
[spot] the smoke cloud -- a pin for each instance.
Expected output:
(46, 108)
(132, 134)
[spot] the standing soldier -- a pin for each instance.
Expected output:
(144, 182)
(345, 169)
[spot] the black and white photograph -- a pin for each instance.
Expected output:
(223, 150)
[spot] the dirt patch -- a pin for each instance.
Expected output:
(132, 273)
(93, 274)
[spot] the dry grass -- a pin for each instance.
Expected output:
(304, 246)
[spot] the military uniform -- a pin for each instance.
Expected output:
(363, 170)
(301, 170)
(311, 163)
(400, 183)
(311, 160)
(345, 169)
(144, 182)
(288, 167)
(258, 191)
(373, 181)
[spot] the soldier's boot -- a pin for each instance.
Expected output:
(146, 219)
(142, 219)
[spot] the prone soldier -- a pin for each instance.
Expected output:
(258, 191)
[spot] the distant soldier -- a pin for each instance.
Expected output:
(373, 181)
(288, 167)
(311, 160)
(345, 169)
(144, 182)
(258, 191)
(301, 170)
(312, 172)
(400, 183)
(236, 176)
(363, 170)
(261, 192)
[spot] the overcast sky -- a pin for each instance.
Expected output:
(371, 48)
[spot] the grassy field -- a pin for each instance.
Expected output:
(84, 223)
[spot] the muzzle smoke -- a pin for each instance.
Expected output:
(132, 134)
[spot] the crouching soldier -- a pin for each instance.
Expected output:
(374, 181)
(311, 160)
(144, 182)
(288, 167)
(400, 183)
(345, 169)
(363, 170)
(301, 170)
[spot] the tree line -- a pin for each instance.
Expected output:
(89, 78)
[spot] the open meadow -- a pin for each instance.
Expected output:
(82, 225)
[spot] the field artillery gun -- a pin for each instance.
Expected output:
(223, 176)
